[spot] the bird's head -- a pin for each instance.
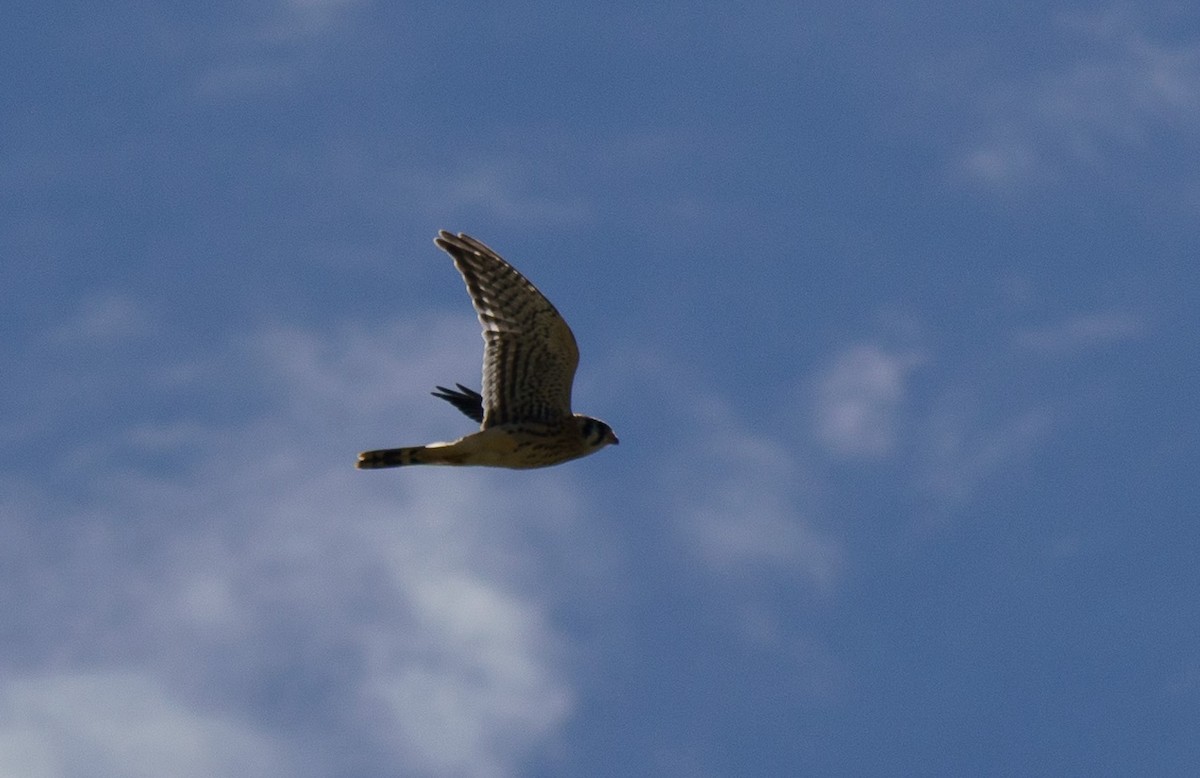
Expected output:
(596, 433)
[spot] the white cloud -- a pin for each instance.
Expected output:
(858, 400)
(241, 573)
(743, 509)
(949, 442)
(462, 708)
(127, 724)
(1004, 159)
(104, 319)
(268, 49)
(1088, 111)
(258, 584)
(1081, 331)
(737, 497)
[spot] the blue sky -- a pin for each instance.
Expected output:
(892, 306)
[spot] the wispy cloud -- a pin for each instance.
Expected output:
(271, 610)
(1126, 88)
(308, 18)
(858, 399)
(104, 319)
(949, 434)
(741, 504)
(123, 723)
(267, 49)
(1081, 331)
(738, 498)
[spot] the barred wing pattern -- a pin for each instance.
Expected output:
(530, 355)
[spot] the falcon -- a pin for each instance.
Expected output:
(529, 361)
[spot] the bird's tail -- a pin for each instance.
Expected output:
(391, 457)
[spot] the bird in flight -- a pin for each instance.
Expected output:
(529, 361)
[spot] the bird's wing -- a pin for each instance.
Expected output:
(530, 355)
(466, 400)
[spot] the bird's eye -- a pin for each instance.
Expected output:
(593, 431)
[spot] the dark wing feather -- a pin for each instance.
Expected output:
(530, 355)
(466, 400)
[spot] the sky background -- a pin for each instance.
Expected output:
(892, 305)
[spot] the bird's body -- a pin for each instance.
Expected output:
(516, 445)
(528, 367)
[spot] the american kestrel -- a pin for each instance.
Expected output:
(529, 361)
